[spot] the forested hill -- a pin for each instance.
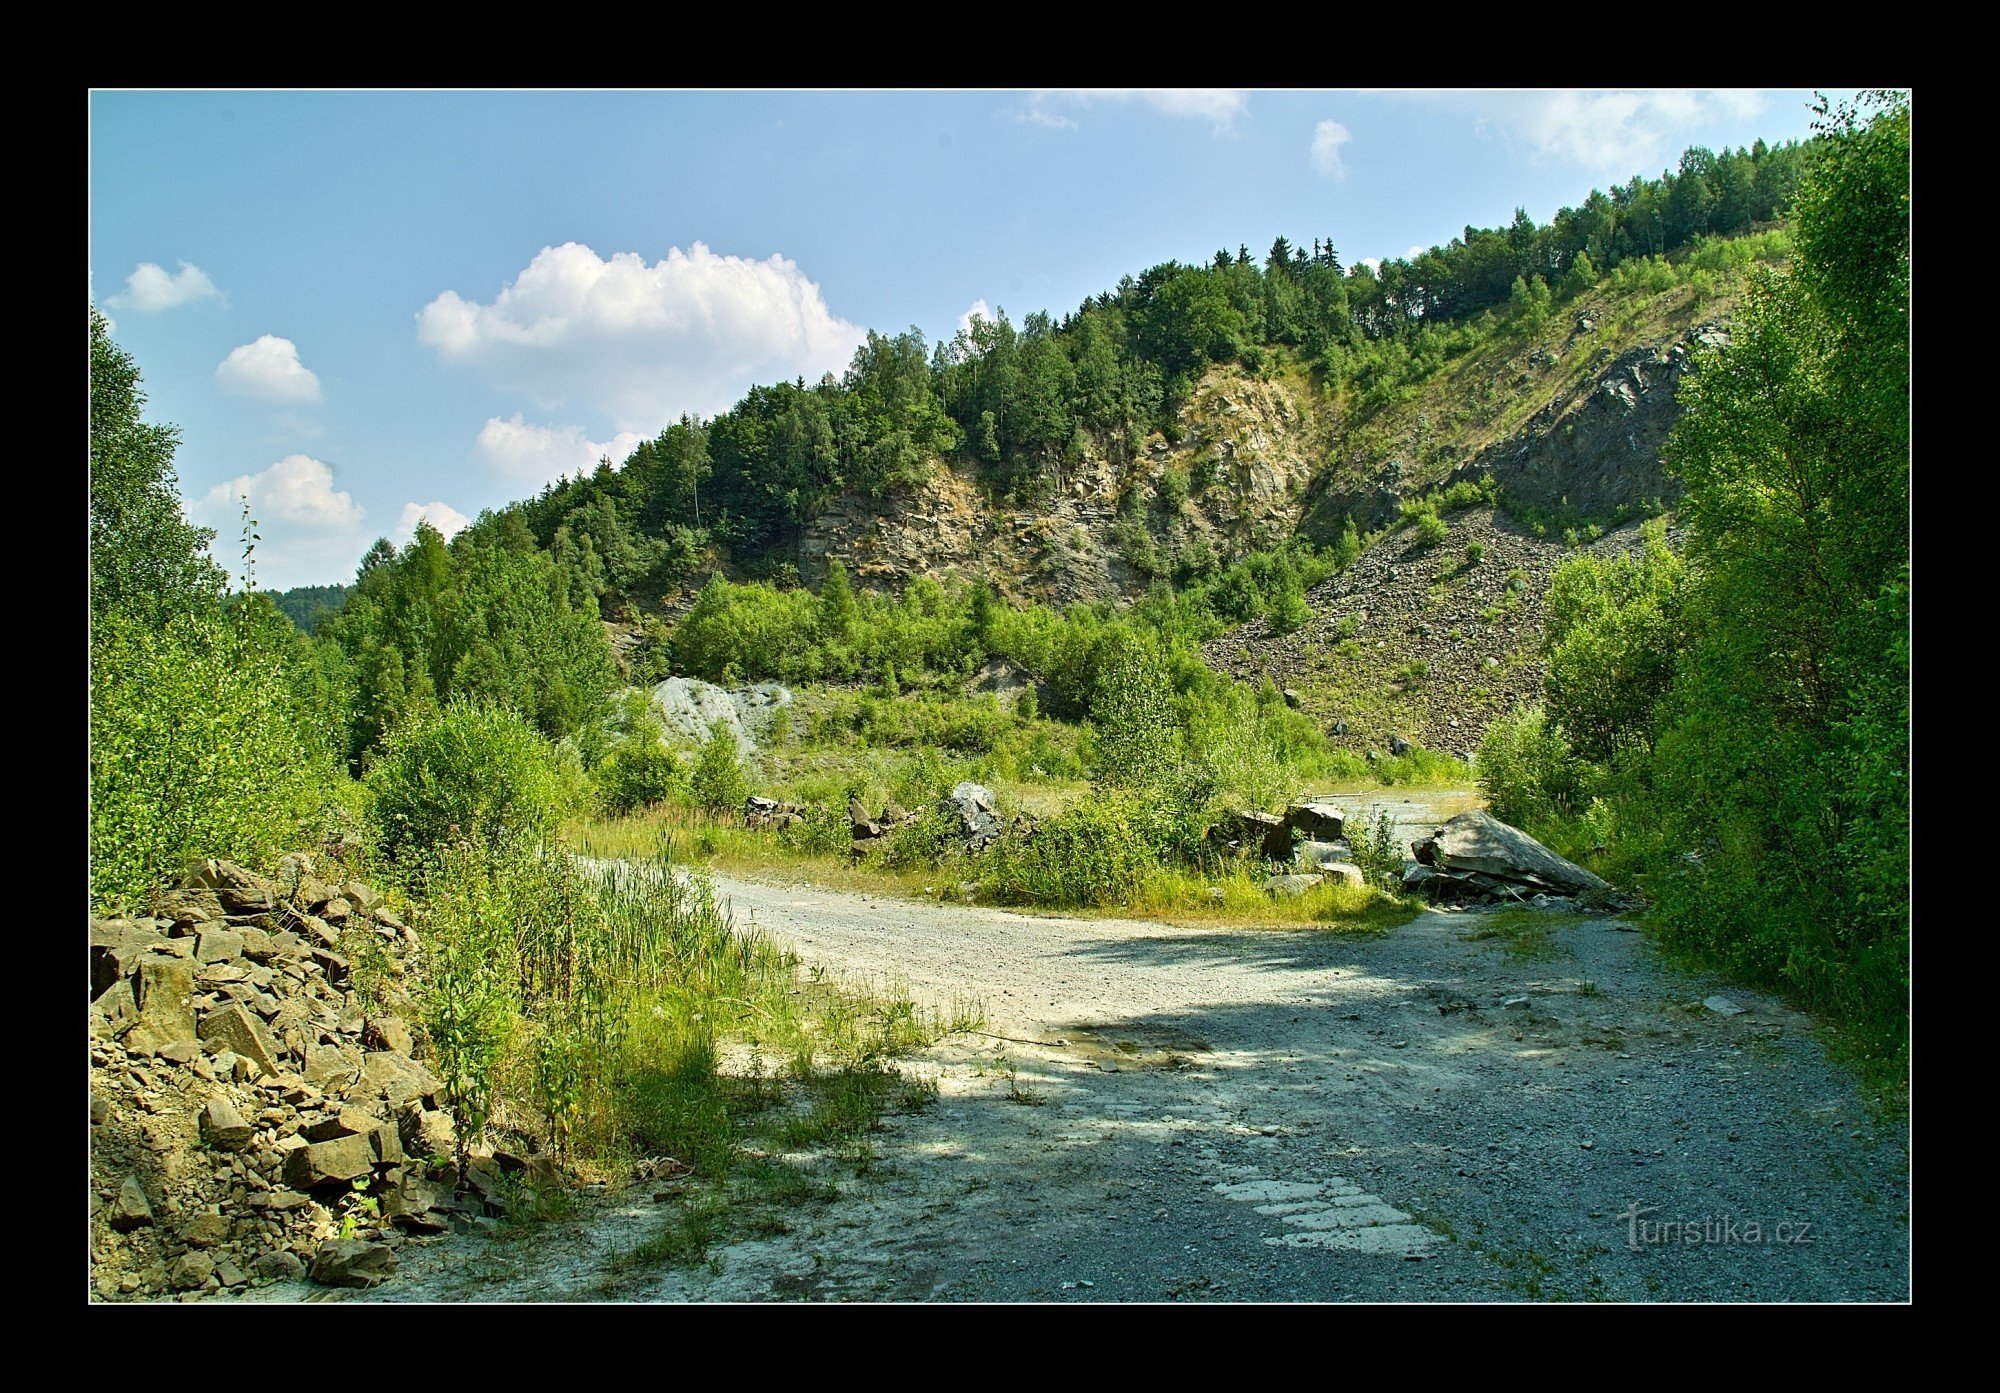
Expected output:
(1056, 419)
(304, 604)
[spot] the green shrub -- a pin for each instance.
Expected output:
(1138, 739)
(640, 770)
(718, 782)
(1527, 770)
(197, 748)
(470, 771)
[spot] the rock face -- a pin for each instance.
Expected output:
(241, 1089)
(1242, 451)
(1476, 856)
(688, 707)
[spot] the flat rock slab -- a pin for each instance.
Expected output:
(1480, 844)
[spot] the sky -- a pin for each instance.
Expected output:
(366, 308)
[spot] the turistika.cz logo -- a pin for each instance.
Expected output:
(1714, 1231)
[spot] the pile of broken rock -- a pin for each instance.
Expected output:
(1477, 859)
(1311, 836)
(250, 1118)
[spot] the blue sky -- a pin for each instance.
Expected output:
(362, 307)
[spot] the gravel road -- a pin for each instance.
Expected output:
(1287, 1115)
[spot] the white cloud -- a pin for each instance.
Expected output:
(445, 518)
(1612, 134)
(1416, 250)
(1056, 107)
(643, 342)
(528, 454)
(978, 309)
(1328, 137)
(298, 491)
(311, 532)
(268, 369)
(151, 289)
(1373, 263)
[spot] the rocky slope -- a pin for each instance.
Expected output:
(251, 1118)
(1421, 643)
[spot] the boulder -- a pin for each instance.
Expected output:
(1343, 871)
(386, 1033)
(973, 811)
(1259, 833)
(336, 1162)
(770, 812)
(1398, 746)
(1316, 820)
(348, 1262)
(163, 991)
(280, 1264)
(1478, 844)
(238, 891)
(1312, 855)
(191, 1272)
(223, 1127)
(348, 1122)
(130, 1209)
(236, 1029)
(329, 1065)
(426, 1132)
(1291, 884)
(116, 947)
(360, 897)
(1292, 698)
(206, 1230)
(215, 944)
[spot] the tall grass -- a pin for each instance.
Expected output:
(611, 1010)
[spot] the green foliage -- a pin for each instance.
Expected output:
(486, 618)
(1612, 631)
(197, 748)
(469, 772)
(1528, 771)
(206, 717)
(1097, 851)
(717, 781)
(1763, 783)
(305, 604)
(640, 768)
(146, 561)
(1138, 738)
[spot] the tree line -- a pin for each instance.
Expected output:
(1023, 403)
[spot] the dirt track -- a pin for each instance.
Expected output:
(1298, 1116)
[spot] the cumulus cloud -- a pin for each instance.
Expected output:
(1328, 137)
(1057, 108)
(524, 453)
(311, 531)
(1373, 263)
(298, 490)
(643, 342)
(1609, 133)
(150, 288)
(268, 369)
(978, 309)
(445, 518)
